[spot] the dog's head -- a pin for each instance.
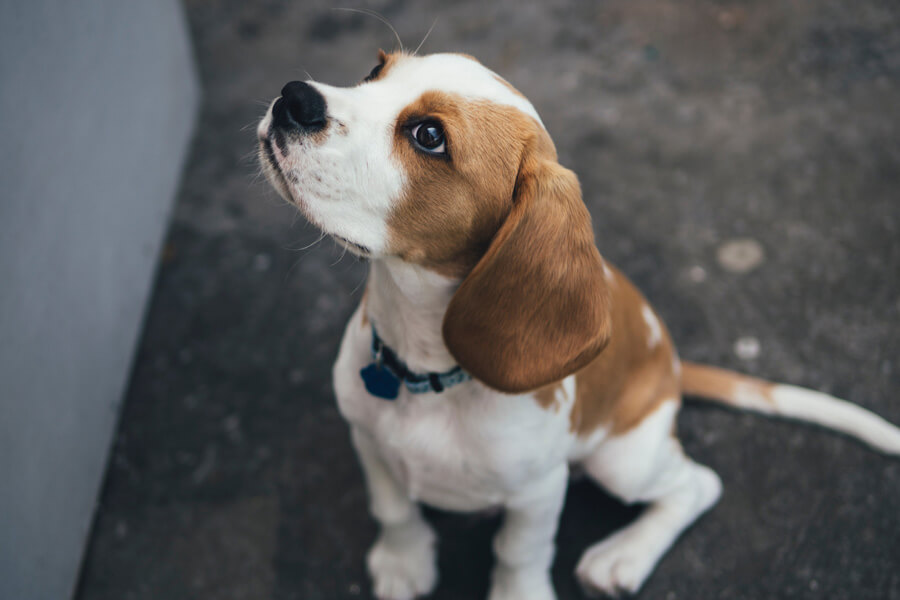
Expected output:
(440, 162)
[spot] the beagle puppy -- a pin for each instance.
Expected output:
(494, 348)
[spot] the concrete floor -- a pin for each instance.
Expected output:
(691, 124)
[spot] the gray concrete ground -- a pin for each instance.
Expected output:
(691, 124)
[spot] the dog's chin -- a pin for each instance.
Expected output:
(278, 181)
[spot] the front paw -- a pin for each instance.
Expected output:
(402, 563)
(616, 567)
(521, 584)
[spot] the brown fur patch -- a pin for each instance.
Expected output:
(628, 380)
(548, 395)
(722, 384)
(534, 308)
(453, 205)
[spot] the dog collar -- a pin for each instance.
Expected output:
(382, 378)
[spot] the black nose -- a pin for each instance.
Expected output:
(301, 107)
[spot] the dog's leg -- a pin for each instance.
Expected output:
(402, 561)
(524, 545)
(645, 464)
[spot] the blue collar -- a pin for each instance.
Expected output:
(382, 378)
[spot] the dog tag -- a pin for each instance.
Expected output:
(380, 382)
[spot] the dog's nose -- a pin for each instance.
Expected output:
(301, 107)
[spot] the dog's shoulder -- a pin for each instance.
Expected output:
(637, 370)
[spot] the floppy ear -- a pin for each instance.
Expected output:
(536, 306)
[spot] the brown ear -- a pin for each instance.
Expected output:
(536, 306)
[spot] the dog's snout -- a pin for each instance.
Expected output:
(301, 107)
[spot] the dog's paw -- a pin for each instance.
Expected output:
(518, 584)
(616, 567)
(403, 566)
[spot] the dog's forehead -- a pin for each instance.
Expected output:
(456, 74)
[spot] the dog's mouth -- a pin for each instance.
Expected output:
(272, 160)
(281, 180)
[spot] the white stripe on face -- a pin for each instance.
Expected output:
(412, 76)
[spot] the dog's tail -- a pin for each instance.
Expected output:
(791, 402)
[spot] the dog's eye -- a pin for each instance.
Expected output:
(374, 73)
(429, 135)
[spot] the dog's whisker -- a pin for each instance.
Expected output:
(292, 267)
(251, 125)
(309, 77)
(251, 156)
(309, 245)
(343, 252)
(256, 177)
(433, 23)
(378, 16)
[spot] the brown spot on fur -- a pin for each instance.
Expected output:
(548, 396)
(454, 204)
(628, 380)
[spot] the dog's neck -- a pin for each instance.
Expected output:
(406, 303)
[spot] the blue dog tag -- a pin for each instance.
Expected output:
(380, 382)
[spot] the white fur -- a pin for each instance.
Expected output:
(676, 364)
(828, 411)
(347, 183)
(402, 560)
(405, 302)
(453, 73)
(646, 464)
(608, 274)
(468, 448)
(654, 329)
(568, 389)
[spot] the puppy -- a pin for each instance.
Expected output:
(494, 348)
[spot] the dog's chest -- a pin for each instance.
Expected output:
(467, 448)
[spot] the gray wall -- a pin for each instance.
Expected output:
(97, 101)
